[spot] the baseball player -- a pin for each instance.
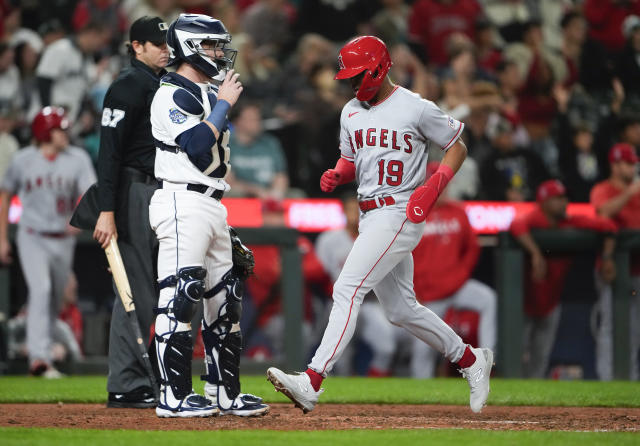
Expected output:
(618, 198)
(48, 177)
(190, 128)
(385, 133)
(546, 277)
(125, 186)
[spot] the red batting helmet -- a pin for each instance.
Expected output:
(47, 119)
(367, 54)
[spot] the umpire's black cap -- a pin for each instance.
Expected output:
(149, 29)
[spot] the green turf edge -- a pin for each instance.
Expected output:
(508, 392)
(83, 437)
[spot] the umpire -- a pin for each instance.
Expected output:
(125, 185)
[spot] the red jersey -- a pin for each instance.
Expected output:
(446, 255)
(541, 297)
(605, 19)
(264, 284)
(627, 218)
(431, 22)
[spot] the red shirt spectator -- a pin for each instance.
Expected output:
(432, 21)
(447, 254)
(605, 19)
(542, 294)
(618, 197)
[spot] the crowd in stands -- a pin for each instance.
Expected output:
(545, 88)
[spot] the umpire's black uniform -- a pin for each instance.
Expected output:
(125, 185)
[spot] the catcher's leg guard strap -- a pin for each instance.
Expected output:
(175, 364)
(222, 351)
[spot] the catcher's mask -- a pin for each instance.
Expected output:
(368, 54)
(184, 40)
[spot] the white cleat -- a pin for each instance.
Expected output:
(297, 388)
(477, 376)
(244, 405)
(192, 406)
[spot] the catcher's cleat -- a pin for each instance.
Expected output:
(192, 406)
(297, 388)
(477, 376)
(244, 405)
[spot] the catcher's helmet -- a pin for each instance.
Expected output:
(47, 119)
(185, 37)
(365, 53)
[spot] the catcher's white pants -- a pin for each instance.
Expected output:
(192, 231)
(381, 260)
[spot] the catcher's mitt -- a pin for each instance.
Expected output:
(243, 261)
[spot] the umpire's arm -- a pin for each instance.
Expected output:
(117, 121)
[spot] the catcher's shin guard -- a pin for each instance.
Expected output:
(222, 350)
(174, 361)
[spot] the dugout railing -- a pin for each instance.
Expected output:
(291, 262)
(509, 261)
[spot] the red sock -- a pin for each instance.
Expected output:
(468, 358)
(316, 379)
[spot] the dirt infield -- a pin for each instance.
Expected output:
(331, 416)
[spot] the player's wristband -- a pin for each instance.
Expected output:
(219, 113)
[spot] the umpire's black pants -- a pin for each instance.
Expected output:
(138, 247)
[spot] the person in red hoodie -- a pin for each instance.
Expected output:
(545, 275)
(443, 263)
(618, 198)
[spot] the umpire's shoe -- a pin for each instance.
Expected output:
(192, 406)
(297, 387)
(477, 376)
(140, 398)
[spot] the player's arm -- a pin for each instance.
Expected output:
(521, 231)
(345, 169)
(611, 207)
(5, 246)
(425, 196)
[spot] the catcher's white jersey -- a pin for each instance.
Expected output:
(389, 141)
(168, 121)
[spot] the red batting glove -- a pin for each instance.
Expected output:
(425, 196)
(329, 180)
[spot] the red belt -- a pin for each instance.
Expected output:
(367, 205)
(48, 234)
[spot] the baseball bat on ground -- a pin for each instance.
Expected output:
(124, 290)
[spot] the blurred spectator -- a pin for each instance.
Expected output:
(578, 161)
(488, 54)
(391, 22)
(107, 12)
(50, 31)
(62, 73)
(27, 54)
(267, 23)
(443, 263)
(542, 70)
(509, 15)
(545, 275)
(510, 82)
(8, 143)
(510, 172)
(337, 20)
(9, 79)
(551, 13)
(259, 167)
(586, 59)
(168, 10)
(265, 285)
(432, 22)
(618, 198)
(485, 101)
(628, 66)
(408, 71)
(605, 19)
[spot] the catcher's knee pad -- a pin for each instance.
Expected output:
(222, 350)
(234, 290)
(174, 361)
(189, 283)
